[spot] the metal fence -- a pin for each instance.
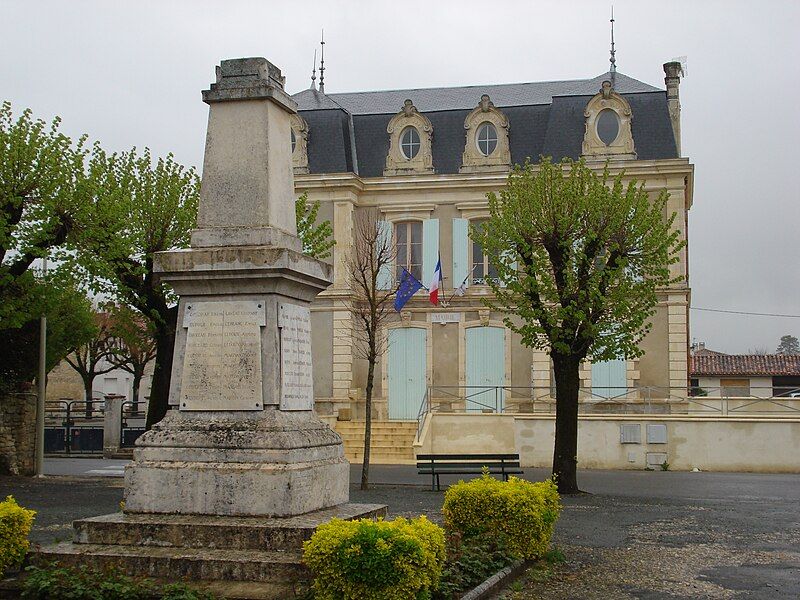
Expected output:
(132, 424)
(612, 401)
(74, 426)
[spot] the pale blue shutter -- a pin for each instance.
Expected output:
(485, 365)
(430, 249)
(460, 251)
(513, 266)
(609, 378)
(385, 278)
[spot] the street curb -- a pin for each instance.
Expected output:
(494, 582)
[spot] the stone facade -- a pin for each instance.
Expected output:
(18, 434)
(636, 133)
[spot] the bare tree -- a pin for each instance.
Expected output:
(91, 359)
(134, 347)
(371, 305)
(758, 351)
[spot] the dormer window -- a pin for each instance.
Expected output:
(486, 138)
(607, 126)
(486, 149)
(410, 142)
(298, 137)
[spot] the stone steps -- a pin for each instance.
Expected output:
(191, 563)
(200, 531)
(391, 442)
(238, 558)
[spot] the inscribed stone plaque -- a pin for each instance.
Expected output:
(297, 381)
(222, 362)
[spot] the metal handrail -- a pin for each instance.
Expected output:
(687, 398)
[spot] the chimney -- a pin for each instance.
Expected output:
(673, 72)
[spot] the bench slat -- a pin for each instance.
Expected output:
(467, 472)
(436, 457)
(463, 465)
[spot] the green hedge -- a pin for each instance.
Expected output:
(524, 513)
(375, 560)
(15, 527)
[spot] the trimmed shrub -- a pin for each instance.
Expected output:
(375, 560)
(524, 513)
(15, 527)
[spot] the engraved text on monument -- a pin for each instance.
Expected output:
(222, 364)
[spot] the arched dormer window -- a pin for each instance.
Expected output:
(486, 146)
(299, 141)
(410, 137)
(608, 126)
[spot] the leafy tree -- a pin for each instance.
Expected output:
(134, 346)
(580, 257)
(70, 321)
(42, 204)
(371, 307)
(90, 359)
(317, 239)
(788, 345)
(139, 207)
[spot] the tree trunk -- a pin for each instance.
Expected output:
(565, 454)
(137, 383)
(88, 381)
(162, 372)
(368, 425)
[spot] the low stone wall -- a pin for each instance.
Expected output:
(18, 434)
(708, 443)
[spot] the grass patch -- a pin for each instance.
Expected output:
(81, 583)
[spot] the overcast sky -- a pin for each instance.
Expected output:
(130, 74)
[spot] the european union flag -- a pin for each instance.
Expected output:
(409, 285)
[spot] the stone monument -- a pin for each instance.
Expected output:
(243, 439)
(240, 471)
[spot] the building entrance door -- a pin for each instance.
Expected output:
(486, 368)
(407, 365)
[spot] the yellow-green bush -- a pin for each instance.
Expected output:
(524, 513)
(15, 526)
(375, 560)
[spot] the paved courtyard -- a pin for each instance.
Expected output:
(636, 534)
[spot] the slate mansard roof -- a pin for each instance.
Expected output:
(347, 131)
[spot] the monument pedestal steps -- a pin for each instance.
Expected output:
(236, 557)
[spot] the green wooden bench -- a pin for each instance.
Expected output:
(466, 464)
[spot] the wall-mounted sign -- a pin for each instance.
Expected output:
(445, 317)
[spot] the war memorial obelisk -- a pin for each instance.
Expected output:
(243, 438)
(223, 491)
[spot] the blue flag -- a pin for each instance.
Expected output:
(407, 288)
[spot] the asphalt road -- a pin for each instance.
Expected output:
(636, 534)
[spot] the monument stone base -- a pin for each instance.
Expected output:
(241, 558)
(270, 463)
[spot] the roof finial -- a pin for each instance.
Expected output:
(314, 72)
(613, 59)
(322, 65)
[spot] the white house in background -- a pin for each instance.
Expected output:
(744, 375)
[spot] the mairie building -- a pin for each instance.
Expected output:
(425, 160)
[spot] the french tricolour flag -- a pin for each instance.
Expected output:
(436, 283)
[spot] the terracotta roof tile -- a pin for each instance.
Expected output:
(744, 364)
